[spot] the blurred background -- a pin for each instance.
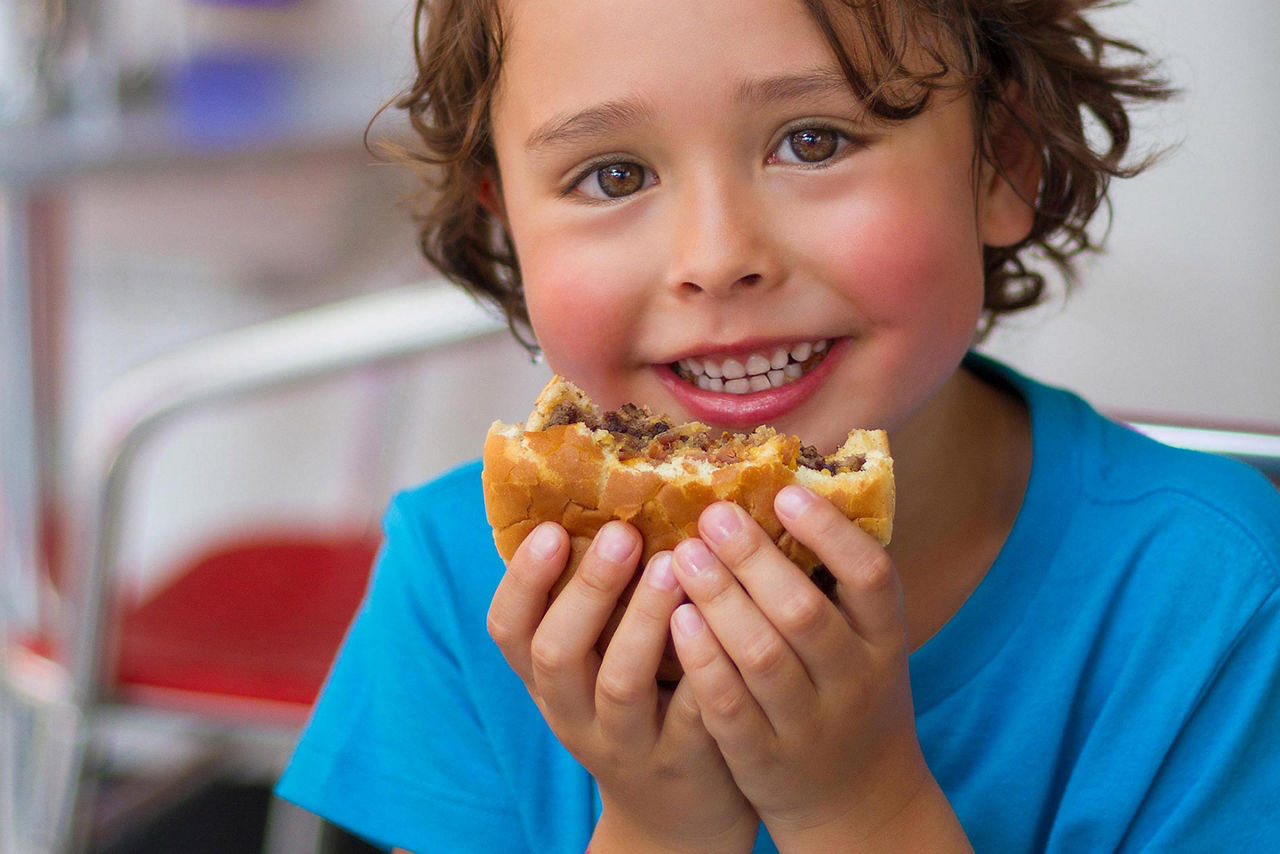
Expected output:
(172, 173)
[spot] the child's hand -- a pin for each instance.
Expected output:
(663, 782)
(810, 702)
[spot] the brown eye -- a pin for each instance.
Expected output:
(813, 145)
(620, 179)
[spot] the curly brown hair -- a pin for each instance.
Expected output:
(1038, 62)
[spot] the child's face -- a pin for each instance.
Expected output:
(695, 179)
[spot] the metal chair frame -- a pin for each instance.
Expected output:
(63, 704)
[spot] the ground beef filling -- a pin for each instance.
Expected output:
(639, 433)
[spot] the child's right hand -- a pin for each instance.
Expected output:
(663, 782)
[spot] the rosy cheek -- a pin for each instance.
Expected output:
(917, 269)
(586, 280)
(581, 328)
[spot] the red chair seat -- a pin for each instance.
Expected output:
(259, 620)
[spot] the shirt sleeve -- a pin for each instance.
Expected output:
(395, 750)
(1217, 788)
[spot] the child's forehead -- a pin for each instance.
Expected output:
(870, 36)
(644, 39)
(838, 12)
(575, 49)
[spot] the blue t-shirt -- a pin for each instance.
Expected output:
(1112, 684)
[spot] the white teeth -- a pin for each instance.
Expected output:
(733, 369)
(757, 365)
(707, 383)
(762, 371)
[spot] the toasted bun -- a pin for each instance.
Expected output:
(582, 474)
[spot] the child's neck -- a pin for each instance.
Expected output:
(961, 468)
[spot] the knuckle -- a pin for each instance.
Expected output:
(824, 523)
(723, 589)
(595, 581)
(753, 549)
(646, 615)
(748, 548)
(547, 655)
(803, 612)
(708, 584)
(727, 706)
(697, 656)
(616, 689)
(875, 572)
(828, 520)
(763, 655)
(499, 629)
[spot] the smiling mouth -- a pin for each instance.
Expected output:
(759, 371)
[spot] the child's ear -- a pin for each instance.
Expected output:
(489, 194)
(1011, 169)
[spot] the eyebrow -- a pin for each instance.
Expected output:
(783, 87)
(568, 128)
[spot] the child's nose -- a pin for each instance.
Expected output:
(720, 242)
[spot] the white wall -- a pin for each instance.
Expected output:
(1182, 314)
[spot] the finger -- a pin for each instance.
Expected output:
(868, 589)
(626, 687)
(563, 649)
(520, 602)
(767, 664)
(725, 705)
(802, 614)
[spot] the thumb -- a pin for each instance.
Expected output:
(683, 730)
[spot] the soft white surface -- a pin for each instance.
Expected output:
(1180, 316)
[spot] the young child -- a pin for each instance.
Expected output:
(1071, 644)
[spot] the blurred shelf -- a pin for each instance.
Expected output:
(224, 108)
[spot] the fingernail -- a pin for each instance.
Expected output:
(660, 573)
(694, 556)
(688, 621)
(793, 501)
(544, 542)
(720, 522)
(613, 544)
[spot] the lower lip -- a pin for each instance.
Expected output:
(749, 410)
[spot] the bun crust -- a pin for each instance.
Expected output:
(582, 476)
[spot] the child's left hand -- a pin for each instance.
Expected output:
(809, 701)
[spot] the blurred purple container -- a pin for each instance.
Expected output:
(232, 98)
(246, 2)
